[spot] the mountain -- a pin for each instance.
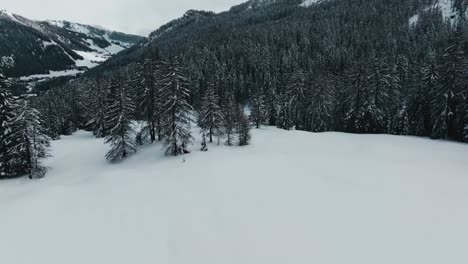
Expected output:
(38, 49)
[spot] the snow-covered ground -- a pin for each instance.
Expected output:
(51, 74)
(290, 197)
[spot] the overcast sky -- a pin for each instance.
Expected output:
(130, 16)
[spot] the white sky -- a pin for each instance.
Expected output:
(129, 16)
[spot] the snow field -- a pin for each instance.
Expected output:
(290, 197)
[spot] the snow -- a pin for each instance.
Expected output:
(90, 59)
(98, 55)
(413, 20)
(447, 7)
(71, 26)
(51, 74)
(307, 3)
(290, 197)
(7, 61)
(10, 15)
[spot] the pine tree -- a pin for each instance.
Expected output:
(243, 127)
(178, 111)
(321, 107)
(449, 89)
(230, 119)
(118, 119)
(258, 111)
(30, 143)
(297, 99)
(421, 107)
(383, 84)
(285, 118)
(7, 108)
(149, 96)
(98, 108)
(401, 122)
(211, 119)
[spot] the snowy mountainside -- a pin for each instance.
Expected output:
(30, 48)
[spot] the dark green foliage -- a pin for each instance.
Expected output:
(210, 118)
(175, 95)
(118, 120)
(30, 144)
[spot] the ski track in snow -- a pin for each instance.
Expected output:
(290, 197)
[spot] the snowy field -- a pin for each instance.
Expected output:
(289, 198)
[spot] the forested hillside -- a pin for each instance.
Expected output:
(397, 67)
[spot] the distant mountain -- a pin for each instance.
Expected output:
(38, 49)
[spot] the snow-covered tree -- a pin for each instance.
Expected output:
(424, 83)
(30, 144)
(229, 110)
(297, 99)
(211, 118)
(98, 109)
(401, 122)
(285, 117)
(7, 108)
(118, 120)
(448, 91)
(175, 96)
(149, 101)
(243, 129)
(321, 106)
(258, 109)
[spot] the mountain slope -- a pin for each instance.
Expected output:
(282, 16)
(30, 47)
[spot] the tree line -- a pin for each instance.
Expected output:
(351, 66)
(360, 67)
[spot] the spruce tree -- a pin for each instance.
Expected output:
(297, 99)
(98, 108)
(242, 127)
(175, 96)
(321, 107)
(448, 91)
(149, 86)
(7, 108)
(401, 122)
(285, 118)
(230, 119)
(30, 143)
(258, 110)
(118, 119)
(422, 102)
(211, 118)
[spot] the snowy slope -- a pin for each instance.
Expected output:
(98, 53)
(291, 197)
(446, 7)
(307, 3)
(263, 3)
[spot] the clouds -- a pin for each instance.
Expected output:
(131, 16)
